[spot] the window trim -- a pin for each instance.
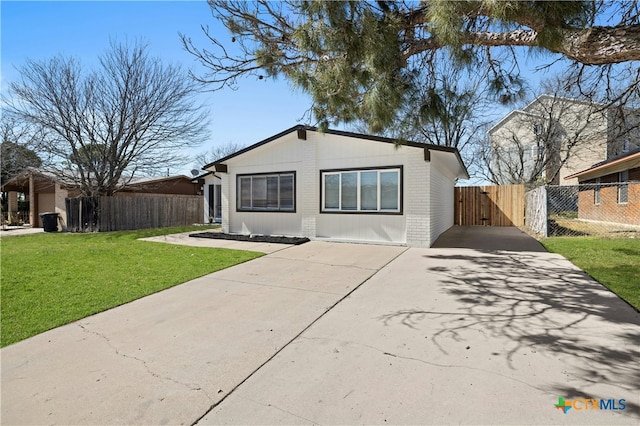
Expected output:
(596, 192)
(239, 208)
(623, 182)
(358, 170)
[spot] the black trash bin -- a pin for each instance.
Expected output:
(49, 221)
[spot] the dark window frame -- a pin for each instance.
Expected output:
(239, 208)
(400, 210)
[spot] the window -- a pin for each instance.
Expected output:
(596, 192)
(538, 128)
(362, 190)
(623, 187)
(266, 192)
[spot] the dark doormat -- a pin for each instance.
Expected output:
(252, 238)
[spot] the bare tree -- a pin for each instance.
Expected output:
(133, 115)
(452, 108)
(18, 141)
(215, 153)
(556, 135)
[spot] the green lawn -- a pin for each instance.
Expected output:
(48, 280)
(613, 262)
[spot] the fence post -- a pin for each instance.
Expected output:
(545, 203)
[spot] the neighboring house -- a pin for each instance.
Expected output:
(46, 193)
(210, 185)
(612, 190)
(553, 137)
(340, 186)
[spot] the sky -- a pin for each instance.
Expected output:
(39, 30)
(258, 109)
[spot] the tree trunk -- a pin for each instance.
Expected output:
(602, 45)
(590, 46)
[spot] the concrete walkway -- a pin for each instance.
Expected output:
(328, 333)
(14, 231)
(184, 239)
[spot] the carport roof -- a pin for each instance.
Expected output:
(20, 182)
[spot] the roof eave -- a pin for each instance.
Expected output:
(340, 133)
(632, 161)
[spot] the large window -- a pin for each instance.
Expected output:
(362, 190)
(267, 192)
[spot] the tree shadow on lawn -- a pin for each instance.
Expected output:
(523, 301)
(628, 251)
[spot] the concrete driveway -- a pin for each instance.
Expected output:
(169, 357)
(349, 334)
(456, 335)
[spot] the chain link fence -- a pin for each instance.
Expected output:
(597, 209)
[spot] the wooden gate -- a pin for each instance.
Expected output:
(501, 205)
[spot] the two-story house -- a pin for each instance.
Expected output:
(553, 137)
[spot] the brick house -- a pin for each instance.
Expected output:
(610, 190)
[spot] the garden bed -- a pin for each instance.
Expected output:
(274, 239)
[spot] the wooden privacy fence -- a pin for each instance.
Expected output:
(132, 212)
(501, 205)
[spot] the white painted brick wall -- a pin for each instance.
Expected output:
(442, 199)
(416, 227)
(308, 185)
(226, 204)
(417, 201)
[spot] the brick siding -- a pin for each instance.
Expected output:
(609, 210)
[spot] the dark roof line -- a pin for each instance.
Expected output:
(346, 134)
(196, 178)
(255, 145)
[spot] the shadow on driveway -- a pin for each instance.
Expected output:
(489, 238)
(507, 289)
(492, 330)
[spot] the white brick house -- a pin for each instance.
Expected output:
(340, 186)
